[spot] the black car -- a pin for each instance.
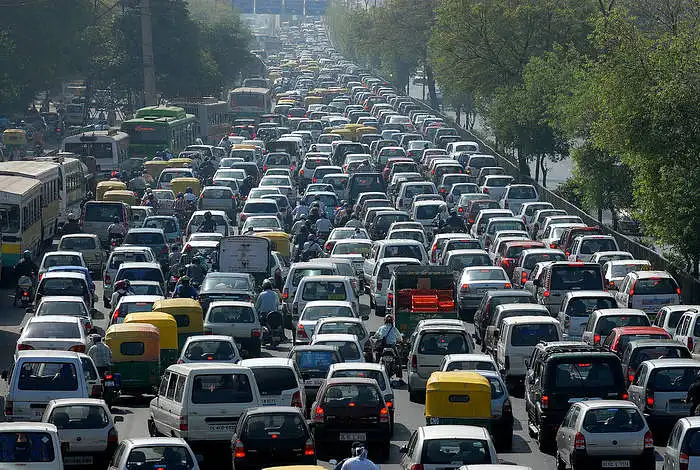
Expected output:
(489, 302)
(314, 362)
(350, 410)
(560, 374)
(272, 436)
(226, 286)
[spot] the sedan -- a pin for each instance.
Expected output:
(53, 332)
(72, 306)
(474, 281)
(262, 223)
(316, 310)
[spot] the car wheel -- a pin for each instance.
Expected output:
(105, 303)
(413, 395)
(379, 311)
(504, 439)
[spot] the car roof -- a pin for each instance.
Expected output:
(47, 353)
(508, 293)
(146, 230)
(77, 401)
(61, 298)
(273, 410)
(469, 357)
(223, 367)
(589, 293)
(27, 426)
(450, 431)
(651, 274)
(532, 319)
(596, 404)
(526, 306)
(357, 366)
(267, 362)
(132, 299)
(673, 362)
(54, 319)
(63, 274)
(328, 303)
(138, 264)
(334, 337)
(231, 303)
(63, 253)
(619, 311)
(351, 380)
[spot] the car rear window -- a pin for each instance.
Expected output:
(260, 208)
(221, 388)
(313, 163)
(274, 426)
(348, 350)
(621, 270)
(167, 225)
(576, 278)
(597, 244)
(231, 314)
(530, 335)
(499, 226)
(470, 365)
(59, 376)
(672, 379)
(583, 307)
(345, 395)
(65, 286)
(498, 182)
(140, 274)
(428, 211)
(455, 452)
(655, 286)
(103, 212)
(439, 344)
(62, 260)
(458, 263)
(274, 380)
(625, 339)
(319, 361)
(486, 275)
(61, 308)
(657, 352)
(363, 373)
(301, 273)
(691, 443)
(52, 330)
(522, 192)
(608, 322)
(324, 290)
(463, 245)
(481, 162)
(219, 193)
(144, 239)
(403, 251)
(317, 312)
(79, 417)
(278, 159)
(613, 420)
(118, 258)
(585, 372)
(33, 447)
(78, 243)
(210, 351)
(532, 259)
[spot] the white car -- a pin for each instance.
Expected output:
(351, 326)
(86, 429)
(132, 303)
(448, 446)
(43, 435)
(209, 348)
(369, 370)
(261, 223)
(683, 436)
(471, 362)
(154, 452)
(60, 258)
(317, 310)
(68, 305)
(349, 346)
(53, 332)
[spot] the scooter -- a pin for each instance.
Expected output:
(115, 241)
(273, 329)
(389, 360)
(111, 388)
(23, 292)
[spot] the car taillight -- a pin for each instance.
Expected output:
(296, 400)
(690, 344)
(471, 220)
(544, 402)
(650, 400)
(180, 361)
(313, 180)
(417, 466)
(96, 391)
(630, 374)
(255, 333)
(24, 347)
(319, 415)
(384, 415)
(239, 450)
(648, 440)
(596, 339)
(506, 262)
(523, 278)
(301, 172)
(683, 461)
(486, 190)
(389, 300)
(78, 348)
(465, 286)
(414, 362)
(113, 436)
(545, 293)
(183, 423)
(264, 168)
(88, 326)
(8, 408)
(115, 316)
(507, 285)
(108, 279)
(285, 294)
(328, 246)
(460, 209)
(579, 442)
(301, 331)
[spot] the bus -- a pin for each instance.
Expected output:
(157, 128)
(249, 102)
(49, 176)
(20, 219)
(212, 117)
(110, 148)
(74, 182)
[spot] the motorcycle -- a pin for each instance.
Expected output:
(273, 329)
(111, 388)
(115, 240)
(23, 292)
(389, 360)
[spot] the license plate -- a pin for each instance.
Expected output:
(678, 406)
(269, 402)
(434, 420)
(615, 463)
(314, 382)
(78, 460)
(353, 436)
(222, 428)
(109, 383)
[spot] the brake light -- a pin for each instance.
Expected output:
(507, 285)
(523, 278)
(264, 168)
(417, 466)
(255, 333)
(630, 374)
(650, 400)
(313, 180)
(296, 400)
(239, 450)
(545, 293)
(183, 423)
(506, 262)
(384, 415)
(465, 286)
(690, 344)
(115, 316)
(96, 391)
(596, 339)
(552, 246)
(8, 408)
(678, 290)
(579, 442)
(544, 402)
(180, 361)
(309, 448)
(285, 294)
(460, 210)
(113, 436)
(319, 415)
(24, 347)
(389, 300)
(414, 362)
(301, 172)
(301, 331)
(683, 460)
(486, 190)
(243, 217)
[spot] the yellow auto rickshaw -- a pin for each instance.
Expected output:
(279, 242)
(179, 185)
(188, 316)
(155, 168)
(458, 397)
(346, 134)
(135, 356)
(121, 195)
(364, 130)
(167, 327)
(180, 162)
(104, 186)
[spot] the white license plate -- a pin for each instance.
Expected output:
(78, 460)
(313, 382)
(269, 402)
(222, 427)
(109, 383)
(353, 436)
(615, 463)
(678, 406)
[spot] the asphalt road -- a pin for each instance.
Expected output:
(409, 415)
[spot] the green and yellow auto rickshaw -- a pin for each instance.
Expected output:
(135, 356)
(188, 316)
(105, 186)
(458, 397)
(167, 326)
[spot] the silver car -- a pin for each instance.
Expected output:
(53, 332)
(238, 320)
(475, 281)
(209, 348)
(317, 310)
(120, 254)
(607, 434)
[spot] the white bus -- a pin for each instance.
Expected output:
(212, 117)
(110, 148)
(73, 184)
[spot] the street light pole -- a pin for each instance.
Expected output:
(149, 74)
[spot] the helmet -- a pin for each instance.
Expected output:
(115, 219)
(27, 255)
(207, 215)
(266, 284)
(197, 258)
(119, 285)
(189, 189)
(315, 204)
(72, 217)
(388, 319)
(90, 195)
(96, 338)
(185, 280)
(311, 237)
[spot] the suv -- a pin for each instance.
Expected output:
(648, 291)
(492, 299)
(640, 350)
(560, 277)
(585, 246)
(560, 374)
(153, 238)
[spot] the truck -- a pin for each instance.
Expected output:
(245, 254)
(418, 293)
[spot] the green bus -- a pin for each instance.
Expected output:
(157, 128)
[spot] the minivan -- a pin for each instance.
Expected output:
(561, 277)
(324, 288)
(577, 306)
(601, 322)
(153, 238)
(279, 381)
(202, 401)
(97, 216)
(648, 291)
(41, 436)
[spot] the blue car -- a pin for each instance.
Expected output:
(76, 269)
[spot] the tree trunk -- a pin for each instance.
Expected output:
(545, 170)
(430, 78)
(537, 167)
(458, 114)
(523, 167)
(696, 266)
(615, 219)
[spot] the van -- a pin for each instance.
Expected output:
(41, 376)
(43, 440)
(297, 272)
(601, 322)
(324, 288)
(483, 217)
(279, 381)
(688, 329)
(426, 211)
(585, 246)
(516, 341)
(577, 307)
(202, 401)
(141, 271)
(561, 277)
(648, 291)
(501, 313)
(97, 216)
(409, 189)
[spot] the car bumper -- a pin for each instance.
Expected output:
(467, 302)
(580, 459)
(332, 434)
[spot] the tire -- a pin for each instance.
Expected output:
(413, 395)
(379, 311)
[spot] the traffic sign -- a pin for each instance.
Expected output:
(246, 7)
(316, 7)
(268, 7)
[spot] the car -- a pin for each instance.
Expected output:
(487, 307)
(601, 323)
(272, 436)
(261, 223)
(615, 271)
(517, 194)
(317, 310)
(369, 370)
(279, 381)
(343, 233)
(88, 245)
(472, 362)
(169, 224)
(146, 288)
(682, 447)
(209, 348)
(605, 433)
(620, 337)
(71, 306)
(648, 290)
(43, 436)
(117, 256)
(325, 288)
(60, 258)
(348, 344)
(640, 350)
(523, 265)
(586, 246)
(153, 238)
(132, 303)
(218, 286)
(495, 186)
(448, 446)
(53, 332)
(475, 281)
(224, 224)
(343, 325)
(603, 257)
(669, 316)
(298, 271)
(577, 307)
(238, 320)
(153, 452)
(86, 428)
(349, 409)
(313, 363)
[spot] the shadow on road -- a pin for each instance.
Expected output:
(8, 341)
(12, 316)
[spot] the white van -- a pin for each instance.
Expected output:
(577, 306)
(518, 338)
(324, 288)
(279, 381)
(39, 377)
(202, 401)
(34, 446)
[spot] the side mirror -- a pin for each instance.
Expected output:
(118, 419)
(333, 462)
(245, 354)
(403, 449)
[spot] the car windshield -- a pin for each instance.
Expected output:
(226, 282)
(314, 313)
(52, 330)
(470, 365)
(62, 286)
(486, 275)
(157, 457)
(76, 309)
(26, 447)
(613, 420)
(608, 322)
(214, 350)
(77, 243)
(576, 278)
(62, 260)
(530, 335)
(324, 290)
(79, 417)
(277, 426)
(273, 380)
(231, 314)
(455, 452)
(221, 388)
(672, 379)
(584, 306)
(439, 344)
(344, 395)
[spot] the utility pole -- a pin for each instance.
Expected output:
(149, 74)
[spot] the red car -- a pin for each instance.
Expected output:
(619, 337)
(509, 252)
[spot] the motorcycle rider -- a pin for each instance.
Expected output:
(116, 229)
(197, 269)
(208, 225)
(323, 227)
(301, 210)
(184, 290)
(387, 336)
(88, 197)
(26, 267)
(121, 288)
(358, 234)
(101, 354)
(455, 222)
(246, 186)
(311, 248)
(353, 221)
(137, 183)
(301, 237)
(72, 226)
(190, 196)
(358, 461)
(180, 206)
(268, 300)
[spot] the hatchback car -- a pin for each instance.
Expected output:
(153, 238)
(64, 283)
(154, 452)
(347, 344)
(53, 332)
(119, 255)
(209, 348)
(60, 258)
(313, 363)
(169, 224)
(314, 312)
(279, 381)
(130, 304)
(71, 306)
(238, 320)
(449, 447)
(87, 244)
(218, 197)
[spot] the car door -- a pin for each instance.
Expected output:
(92, 376)
(636, 388)
(370, 262)
(159, 405)
(407, 460)
(562, 436)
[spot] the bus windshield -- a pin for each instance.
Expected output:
(147, 133)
